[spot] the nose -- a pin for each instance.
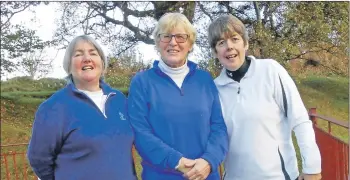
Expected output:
(173, 41)
(229, 44)
(86, 58)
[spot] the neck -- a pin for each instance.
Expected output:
(170, 70)
(238, 74)
(88, 86)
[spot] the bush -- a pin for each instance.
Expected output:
(28, 85)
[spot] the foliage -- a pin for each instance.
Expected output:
(17, 41)
(27, 48)
(10, 9)
(121, 25)
(27, 84)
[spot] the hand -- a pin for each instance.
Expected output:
(200, 171)
(310, 176)
(186, 165)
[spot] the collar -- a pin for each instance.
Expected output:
(191, 65)
(174, 71)
(104, 86)
(223, 79)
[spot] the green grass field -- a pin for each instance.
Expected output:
(20, 99)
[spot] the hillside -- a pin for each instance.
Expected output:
(20, 98)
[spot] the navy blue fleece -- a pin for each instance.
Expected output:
(72, 139)
(171, 122)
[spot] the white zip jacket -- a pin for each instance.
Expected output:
(260, 135)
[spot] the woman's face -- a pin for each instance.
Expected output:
(231, 51)
(174, 46)
(86, 64)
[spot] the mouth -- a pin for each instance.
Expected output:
(172, 51)
(232, 56)
(87, 68)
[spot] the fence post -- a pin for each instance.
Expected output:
(313, 118)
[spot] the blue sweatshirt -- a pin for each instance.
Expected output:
(171, 122)
(72, 139)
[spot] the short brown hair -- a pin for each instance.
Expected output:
(226, 26)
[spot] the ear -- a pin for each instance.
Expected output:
(191, 48)
(213, 53)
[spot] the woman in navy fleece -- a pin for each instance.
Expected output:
(82, 131)
(175, 110)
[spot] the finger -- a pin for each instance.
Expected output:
(194, 177)
(184, 169)
(189, 163)
(199, 174)
(191, 173)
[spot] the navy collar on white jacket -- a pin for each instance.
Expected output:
(223, 79)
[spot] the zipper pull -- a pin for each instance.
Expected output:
(239, 90)
(181, 92)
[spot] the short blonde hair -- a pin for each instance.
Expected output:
(169, 21)
(67, 61)
(226, 26)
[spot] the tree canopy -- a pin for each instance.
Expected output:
(285, 31)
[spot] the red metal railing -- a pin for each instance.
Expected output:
(334, 152)
(14, 163)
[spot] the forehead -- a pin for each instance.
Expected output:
(175, 29)
(83, 45)
(229, 34)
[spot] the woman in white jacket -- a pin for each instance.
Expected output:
(261, 107)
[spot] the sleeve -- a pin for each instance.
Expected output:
(298, 121)
(149, 146)
(45, 142)
(217, 145)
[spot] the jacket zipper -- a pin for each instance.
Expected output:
(104, 104)
(173, 82)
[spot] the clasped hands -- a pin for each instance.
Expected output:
(197, 169)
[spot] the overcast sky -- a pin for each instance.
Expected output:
(45, 25)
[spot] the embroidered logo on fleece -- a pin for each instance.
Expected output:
(122, 116)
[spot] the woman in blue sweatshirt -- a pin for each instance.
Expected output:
(82, 131)
(175, 111)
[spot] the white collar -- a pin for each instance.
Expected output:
(174, 71)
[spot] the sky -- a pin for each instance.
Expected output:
(44, 23)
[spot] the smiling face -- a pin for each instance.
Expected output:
(86, 65)
(173, 53)
(230, 50)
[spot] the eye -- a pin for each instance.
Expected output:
(166, 36)
(235, 39)
(77, 55)
(180, 37)
(220, 43)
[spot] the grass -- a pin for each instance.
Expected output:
(20, 99)
(330, 97)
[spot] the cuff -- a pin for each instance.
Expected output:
(174, 160)
(178, 165)
(211, 162)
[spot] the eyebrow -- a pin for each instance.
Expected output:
(80, 50)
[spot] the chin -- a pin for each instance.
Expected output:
(174, 62)
(90, 79)
(231, 68)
